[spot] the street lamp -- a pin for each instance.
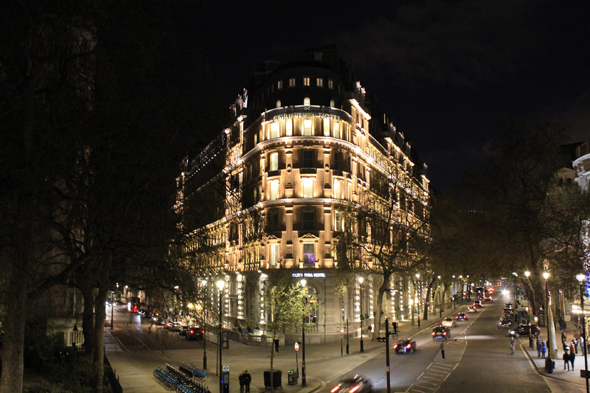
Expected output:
(220, 284)
(303, 379)
(361, 279)
(581, 278)
(548, 361)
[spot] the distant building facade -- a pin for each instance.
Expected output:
(306, 142)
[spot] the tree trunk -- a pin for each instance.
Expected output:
(381, 291)
(11, 355)
(425, 317)
(88, 322)
(272, 358)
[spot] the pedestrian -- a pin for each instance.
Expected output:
(242, 382)
(247, 380)
(538, 347)
(561, 324)
(512, 344)
(572, 360)
(575, 342)
(572, 348)
(531, 340)
(394, 324)
(277, 342)
(564, 340)
(543, 349)
(582, 345)
(442, 349)
(566, 360)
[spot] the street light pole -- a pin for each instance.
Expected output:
(419, 297)
(361, 302)
(548, 364)
(112, 307)
(220, 285)
(581, 278)
(303, 378)
(204, 282)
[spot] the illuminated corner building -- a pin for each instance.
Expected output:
(307, 140)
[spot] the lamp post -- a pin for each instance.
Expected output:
(418, 298)
(548, 360)
(204, 283)
(361, 279)
(303, 379)
(220, 284)
(581, 278)
(112, 307)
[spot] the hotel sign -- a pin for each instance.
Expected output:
(306, 115)
(311, 275)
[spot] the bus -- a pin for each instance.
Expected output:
(133, 304)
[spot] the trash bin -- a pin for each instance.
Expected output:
(292, 377)
(276, 379)
(549, 365)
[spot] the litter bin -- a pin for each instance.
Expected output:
(292, 377)
(549, 365)
(276, 379)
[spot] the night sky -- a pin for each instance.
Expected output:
(445, 71)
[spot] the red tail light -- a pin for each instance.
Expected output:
(433, 333)
(409, 346)
(192, 331)
(202, 331)
(355, 389)
(395, 346)
(444, 333)
(335, 389)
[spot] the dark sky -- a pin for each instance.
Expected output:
(445, 71)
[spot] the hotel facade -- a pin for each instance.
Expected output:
(272, 191)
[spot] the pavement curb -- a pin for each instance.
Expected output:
(543, 373)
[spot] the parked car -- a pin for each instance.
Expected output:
(462, 317)
(441, 332)
(172, 326)
(194, 333)
(449, 322)
(356, 384)
(405, 346)
(525, 330)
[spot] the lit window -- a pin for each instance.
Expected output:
(307, 101)
(320, 82)
(308, 254)
(338, 224)
(332, 104)
(292, 82)
(279, 84)
(274, 161)
(330, 84)
(307, 127)
(337, 190)
(274, 130)
(274, 254)
(274, 190)
(289, 127)
(278, 103)
(307, 187)
(326, 127)
(336, 130)
(306, 81)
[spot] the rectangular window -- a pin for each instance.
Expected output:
(320, 82)
(337, 160)
(306, 81)
(307, 127)
(273, 220)
(337, 189)
(289, 127)
(274, 254)
(330, 84)
(336, 130)
(308, 254)
(274, 190)
(279, 85)
(274, 130)
(292, 82)
(338, 224)
(307, 187)
(308, 221)
(308, 158)
(274, 161)
(326, 127)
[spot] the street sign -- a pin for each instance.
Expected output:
(296, 347)
(584, 374)
(226, 369)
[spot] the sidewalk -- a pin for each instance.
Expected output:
(576, 383)
(324, 362)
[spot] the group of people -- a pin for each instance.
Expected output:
(570, 350)
(245, 378)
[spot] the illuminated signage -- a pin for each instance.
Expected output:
(312, 275)
(306, 115)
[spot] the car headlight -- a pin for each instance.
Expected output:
(512, 332)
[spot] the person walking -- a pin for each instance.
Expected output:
(566, 360)
(247, 380)
(575, 342)
(242, 382)
(572, 360)
(572, 348)
(442, 349)
(512, 344)
(564, 340)
(538, 347)
(543, 349)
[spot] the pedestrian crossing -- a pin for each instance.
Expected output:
(434, 375)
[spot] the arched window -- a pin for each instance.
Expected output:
(278, 103)
(332, 104)
(307, 101)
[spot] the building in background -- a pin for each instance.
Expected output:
(272, 191)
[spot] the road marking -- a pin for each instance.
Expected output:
(436, 379)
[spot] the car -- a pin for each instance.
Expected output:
(356, 384)
(525, 330)
(194, 333)
(449, 322)
(441, 332)
(462, 317)
(508, 306)
(182, 329)
(405, 346)
(172, 326)
(487, 298)
(477, 303)
(471, 309)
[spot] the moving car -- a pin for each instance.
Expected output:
(173, 326)
(405, 346)
(471, 309)
(477, 303)
(525, 330)
(462, 317)
(487, 298)
(449, 322)
(441, 332)
(356, 384)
